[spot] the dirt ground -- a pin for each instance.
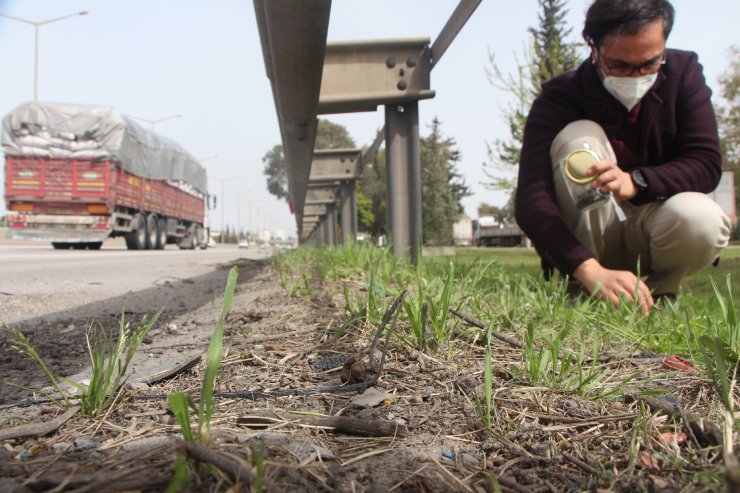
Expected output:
(416, 429)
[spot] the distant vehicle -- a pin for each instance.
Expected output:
(243, 244)
(462, 231)
(76, 175)
(487, 231)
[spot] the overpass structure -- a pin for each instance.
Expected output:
(310, 77)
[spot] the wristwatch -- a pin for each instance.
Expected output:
(639, 180)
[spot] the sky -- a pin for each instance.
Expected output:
(156, 59)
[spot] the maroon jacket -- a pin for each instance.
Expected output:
(679, 146)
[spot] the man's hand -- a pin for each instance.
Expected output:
(610, 178)
(607, 284)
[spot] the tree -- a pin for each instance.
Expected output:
(547, 56)
(372, 186)
(728, 119)
(442, 187)
(332, 136)
(275, 168)
(502, 214)
(276, 172)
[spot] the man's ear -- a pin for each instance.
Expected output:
(594, 53)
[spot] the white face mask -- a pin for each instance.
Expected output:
(629, 90)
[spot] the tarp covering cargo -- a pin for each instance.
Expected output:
(98, 132)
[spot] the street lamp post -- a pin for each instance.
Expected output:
(223, 203)
(159, 120)
(239, 206)
(36, 25)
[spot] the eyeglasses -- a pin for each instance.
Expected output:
(626, 70)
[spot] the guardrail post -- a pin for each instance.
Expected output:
(403, 174)
(349, 212)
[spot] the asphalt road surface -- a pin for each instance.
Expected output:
(40, 283)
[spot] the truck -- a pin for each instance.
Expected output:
(78, 174)
(488, 231)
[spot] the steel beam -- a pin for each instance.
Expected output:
(332, 165)
(452, 28)
(314, 210)
(293, 39)
(321, 195)
(362, 75)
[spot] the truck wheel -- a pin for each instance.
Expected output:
(200, 238)
(151, 232)
(58, 245)
(136, 239)
(161, 233)
(89, 245)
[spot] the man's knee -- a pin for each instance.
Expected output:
(692, 223)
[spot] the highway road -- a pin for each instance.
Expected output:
(38, 281)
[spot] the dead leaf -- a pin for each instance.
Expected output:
(669, 437)
(370, 398)
(646, 460)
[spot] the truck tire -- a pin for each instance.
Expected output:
(161, 233)
(200, 238)
(136, 239)
(58, 245)
(151, 232)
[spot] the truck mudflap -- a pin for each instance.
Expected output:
(58, 228)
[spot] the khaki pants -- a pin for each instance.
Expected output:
(666, 241)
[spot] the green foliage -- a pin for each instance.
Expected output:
(504, 214)
(181, 403)
(365, 215)
(563, 336)
(20, 343)
(275, 166)
(548, 55)
(442, 187)
(205, 404)
(275, 169)
(109, 363)
(332, 136)
(373, 187)
(107, 368)
(484, 408)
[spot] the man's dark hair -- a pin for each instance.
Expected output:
(619, 17)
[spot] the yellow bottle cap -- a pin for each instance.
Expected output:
(577, 162)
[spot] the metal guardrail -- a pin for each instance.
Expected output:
(359, 76)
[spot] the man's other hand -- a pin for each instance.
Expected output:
(607, 284)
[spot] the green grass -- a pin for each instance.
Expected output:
(504, 287)
(109, 361)
(181, 403)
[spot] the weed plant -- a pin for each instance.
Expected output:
(109, 362)
(181, 403)
(564, 335)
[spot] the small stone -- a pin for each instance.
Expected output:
(417, 399)
(60, 447)
(85, 443)
(137, 386)
(165, 419)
